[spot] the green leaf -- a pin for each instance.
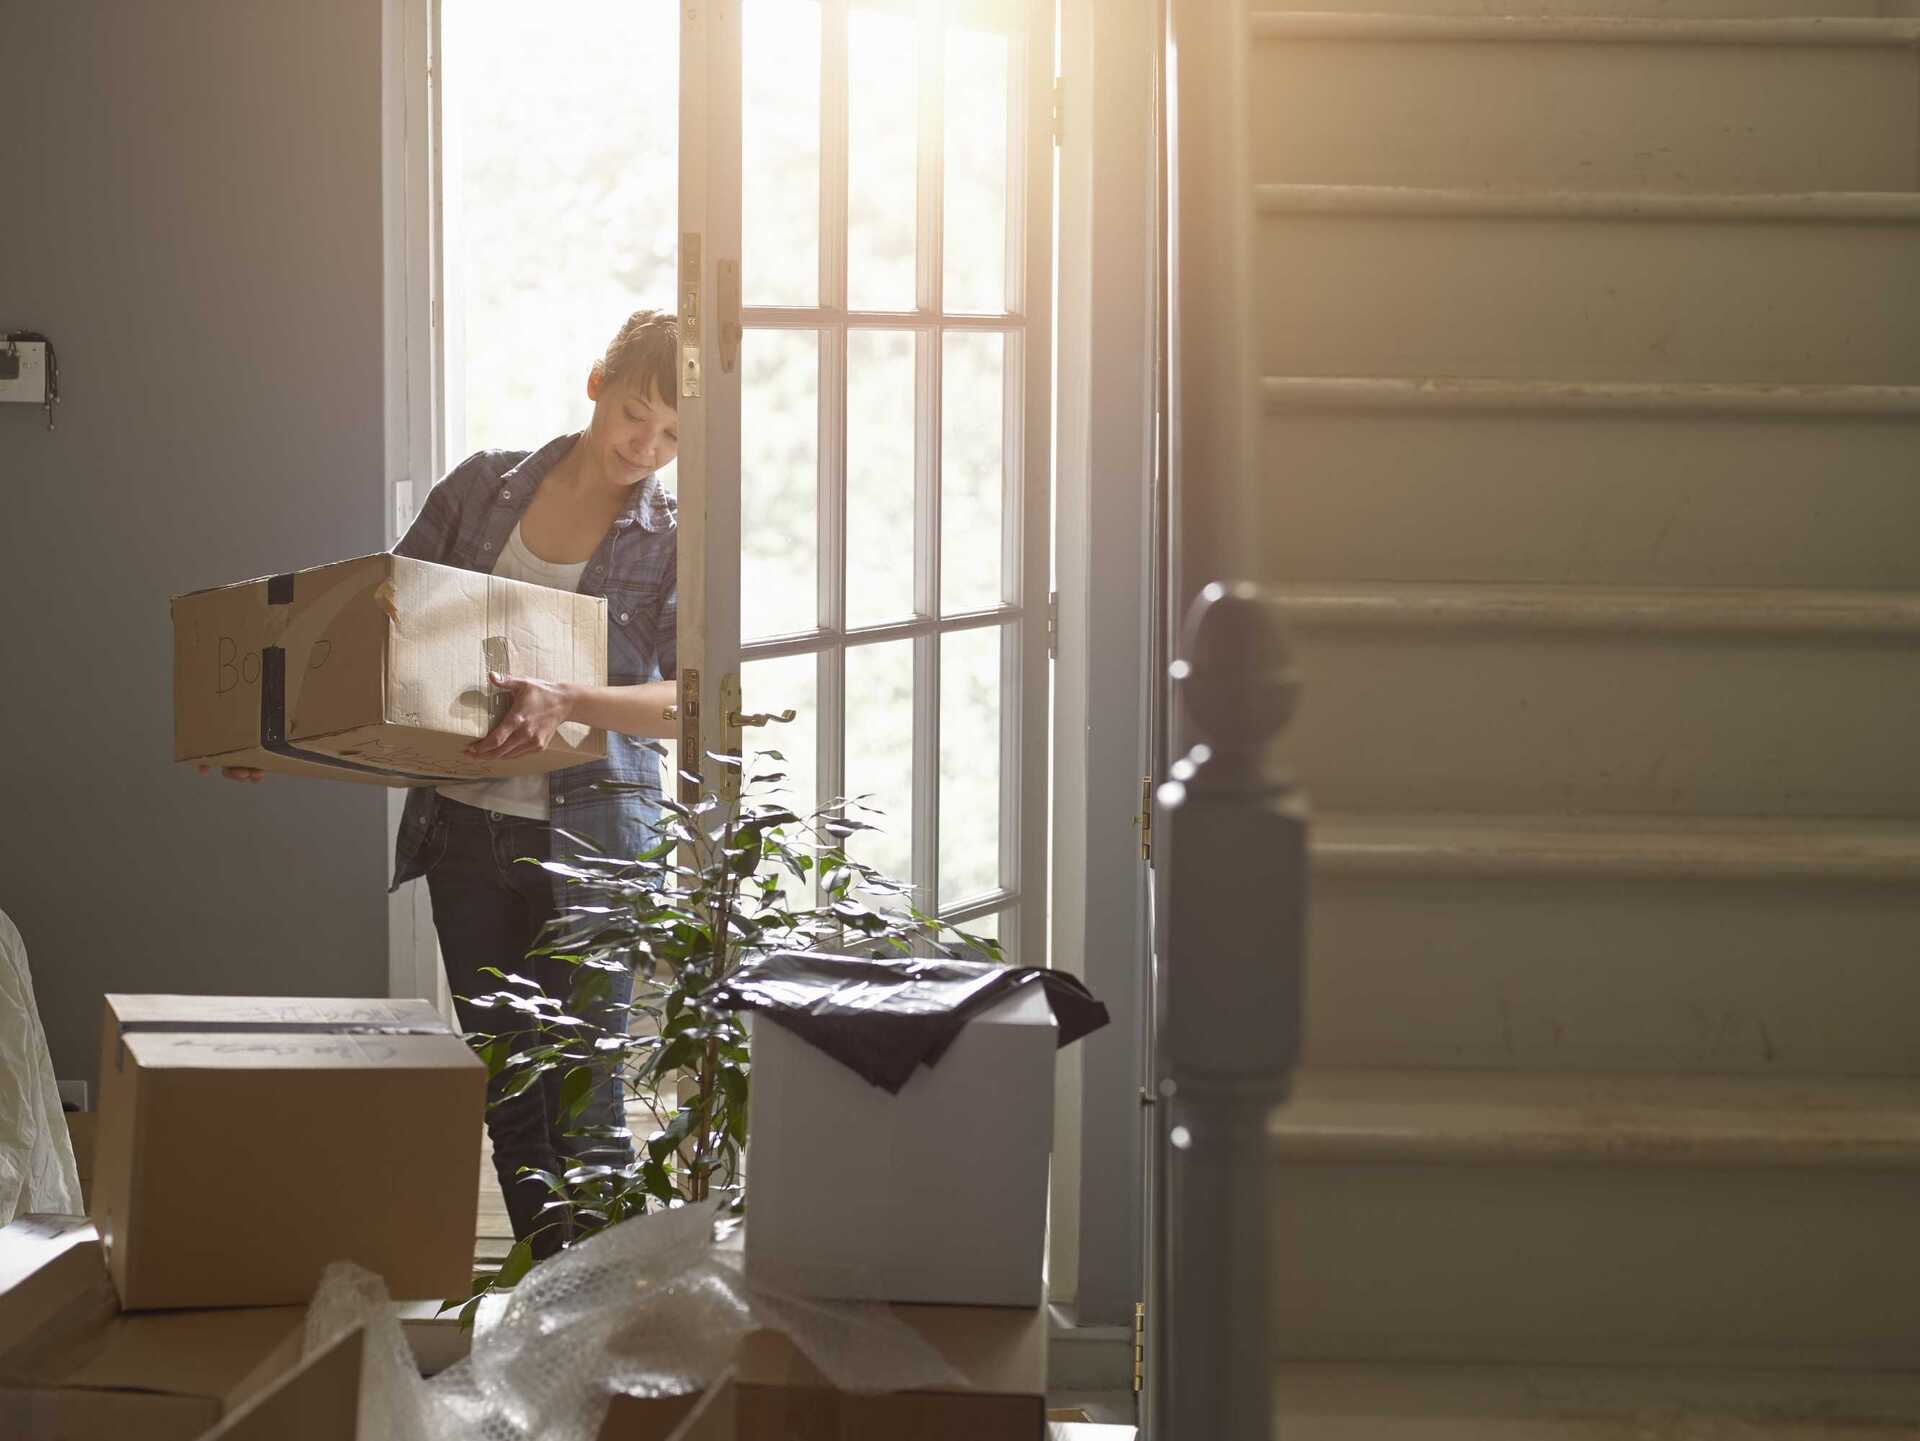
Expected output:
(519, 1261)
(518, 1086)
(576, 1090)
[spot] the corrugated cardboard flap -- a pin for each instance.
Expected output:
(53, 1277)
(295, 1033)
(179, 1353)
(160, 1011)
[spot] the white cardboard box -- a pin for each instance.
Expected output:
(938, 1194)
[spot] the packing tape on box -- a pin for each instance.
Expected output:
(650, 1307)
(279, 691)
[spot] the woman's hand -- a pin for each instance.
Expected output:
(535, 710)
(237, 773)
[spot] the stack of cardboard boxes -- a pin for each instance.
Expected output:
(241, 1145)
(932, 1200)
(244, 1144)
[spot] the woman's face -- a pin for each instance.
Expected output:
(634, 431)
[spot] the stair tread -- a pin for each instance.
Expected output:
(1276, 25)
(1489, 202)
(1311, 392)
(1733, 847)
(1778, 611)
(1617, 1118)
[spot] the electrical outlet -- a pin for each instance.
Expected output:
(30, 384)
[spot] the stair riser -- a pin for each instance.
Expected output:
(1586, 116)
(1584, 974)
(1580, 298)
(1489, 720)
(1579, 499)
(1595, 1265)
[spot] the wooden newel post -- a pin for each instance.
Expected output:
(1229, 1000)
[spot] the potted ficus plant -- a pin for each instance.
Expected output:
(737, 873)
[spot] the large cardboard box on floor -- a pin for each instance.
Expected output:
(772, 1393)
(317, 1400)
(375, 670)
(245, 1143)
(937, 1194)
(73, 1367)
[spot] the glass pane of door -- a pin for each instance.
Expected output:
(972, 470)
(880, 754)
(779, 482)
(880, 476)
(780, 145)
(977, 75)
(970, 764)
(775, 685)
(883, 113)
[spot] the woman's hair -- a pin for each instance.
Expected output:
(645, 352)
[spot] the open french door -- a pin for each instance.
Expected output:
(865, 231)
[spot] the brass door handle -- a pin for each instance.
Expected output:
(784, 717)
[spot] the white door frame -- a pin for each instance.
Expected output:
(1096, 926)
(709, 400)
(1104, 501)
(413, 368)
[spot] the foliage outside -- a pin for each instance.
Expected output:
(724, 880)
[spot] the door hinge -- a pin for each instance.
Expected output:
(1059, 109)
(1145, 819)
(1139, 1346)
(1053, 625)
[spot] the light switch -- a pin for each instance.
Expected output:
(29, 384)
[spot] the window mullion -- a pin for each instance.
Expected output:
(833, 157)
(830, 731)
(1020, 125)
(927, 347)
(1028, 497)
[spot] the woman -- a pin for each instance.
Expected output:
(583, 512)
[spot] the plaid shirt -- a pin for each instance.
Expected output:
(465, 522)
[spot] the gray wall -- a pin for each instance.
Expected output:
(190, 206)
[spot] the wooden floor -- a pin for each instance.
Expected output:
(494, 1233)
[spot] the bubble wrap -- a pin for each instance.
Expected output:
(651, 1307)
(37, 1172)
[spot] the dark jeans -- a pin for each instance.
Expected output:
(489, 905)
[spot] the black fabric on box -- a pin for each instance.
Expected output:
(884, 1018)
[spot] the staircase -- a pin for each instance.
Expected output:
(1589, 345)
